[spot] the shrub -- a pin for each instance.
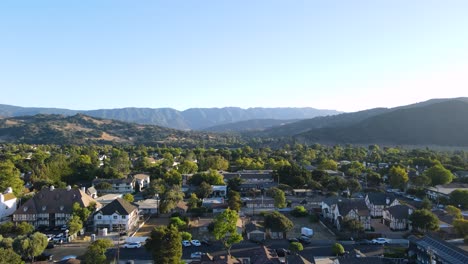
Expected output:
(299, 211)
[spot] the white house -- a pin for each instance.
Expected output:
(377, 202)
(219, 191)
(142, 180)
(337, 210)
(119, 215)
(125, 185)
(397, 217)
(8, 203)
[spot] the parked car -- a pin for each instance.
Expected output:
(380, 241)
(196, 255)
(64, 227)
(293, 239)
(304, 240)
(206, 242)
(50, 245)
(186, 243)
(132, 245)
(195, 243)
(363, 242)
(416, 199)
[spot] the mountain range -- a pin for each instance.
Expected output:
(190, 119)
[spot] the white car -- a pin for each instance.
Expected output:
(132, 245)
(196, 255)
(195, 243)
(50, 237)
(186, 243)
(380, 241)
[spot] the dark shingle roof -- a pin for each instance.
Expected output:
(380, 198)
(399, 211)
(119, 205)
(345, 206)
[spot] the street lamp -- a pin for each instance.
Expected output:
(157, 204)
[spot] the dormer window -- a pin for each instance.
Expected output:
(44, 208)
(25, 208)
(61, 207)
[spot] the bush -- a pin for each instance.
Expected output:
(186, 235)
(338, 249)
(299, 211)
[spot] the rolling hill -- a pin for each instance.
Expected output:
(249, 125)
(190, 119)
(443, 123)
(81, 129)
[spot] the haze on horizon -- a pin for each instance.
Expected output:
(343, 55)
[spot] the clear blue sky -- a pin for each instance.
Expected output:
(345, 55)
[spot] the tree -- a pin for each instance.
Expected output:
(295, 247)
(278, 196)
(128, 197)
(234, 184)
(10, 177)
(213, 162)
(103, 186)
(192, 202)
(9, 256)
(186, 235)
(278, 222)
(353, 225)
(374, 178)
(178, 223)
(424, 220)
(204, 190)
(75, 224)
(23, 228)
(211, 177)
(225, 229)
(439, 175)
(299, 211)
(353, 186)
(165, 244)
(426, 204)
(453, 211)
(461, 226)
(328, 164)
(170, 198)
(420, 181)
(459, 198)
(398, 177)
(173, 177)
(30, 247)
(234, 201)
(187, 167)
(95, 253)
(338, 249)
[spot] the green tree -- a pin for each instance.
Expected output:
(214, 162)
(23, 228)
(234, 184)
(338, 249)
(204, 190)
(299, 211)
(173, 177)
(10, 177)
(128, 197)
(424, 220)
(426, 204)
(353, 225)
(279, 197)
(296, 247)
(95, 253)
(459, 198)
(193, 201)
(10, 257)
(211, 177)
(178, 223)
(186, 235)
(278, 222)
(353, 186)
(225, 229)
(165, 244)
(328, 164)
(398, 177)
(453, 211)
(439, 175)
(461, 226)
(234, 201)
(187, 167)
(75, 224)
(30, 247)
(170, 198)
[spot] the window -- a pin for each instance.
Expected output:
(99, 217)
(115, 217)
(123, 217)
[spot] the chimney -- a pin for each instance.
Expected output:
(83, 189)
(52, 188)
(68, 188)
(387, 200)
(410, 211)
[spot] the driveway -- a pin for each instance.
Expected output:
(385, 230)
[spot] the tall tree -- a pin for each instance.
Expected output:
(225, 229)
(204, 190)
(95, 253)
(193, 201)
(398, 177)
(439, 175)
(128, 197)
(165, 244)
(459, 198)
(30, 247)
(453, 211)
(278, 222)
(10, 177)
(424, 220)
(279, 197)
(234, 184)
(9, 256)
(187, 167)
(234, 201)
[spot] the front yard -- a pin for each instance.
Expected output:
(320, 232)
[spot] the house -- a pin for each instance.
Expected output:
(118, 215)
(8, 203)
(52, 207)
(255, 232)
(252, 180)
(91, 191)
(125, 185)
(335, 173)
(181, 208)
(260, 204)
(429, 249)
(217, 204)
(336, 210)
(444, 191)
(219, 191)
(302, 192)
(397, 217)
(461, 174)
(377, 202)
(201, 224)
(108, 198)
(148, 206)
(142, 181)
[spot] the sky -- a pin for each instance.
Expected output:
(343, 55)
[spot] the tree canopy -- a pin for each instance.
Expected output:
(424, 220)
(165, 245)
(439, 175)
(225, 229)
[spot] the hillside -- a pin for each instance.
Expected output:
(190, 119)
(249, 125)
(440, 123)
(81, 129)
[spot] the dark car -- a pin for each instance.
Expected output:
(205, 242)
(304, 240)
(50, 245)
(292, 239)
(364, 242)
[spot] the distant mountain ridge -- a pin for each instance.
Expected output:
(441, 122)
(190, 119)
(248, 125)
